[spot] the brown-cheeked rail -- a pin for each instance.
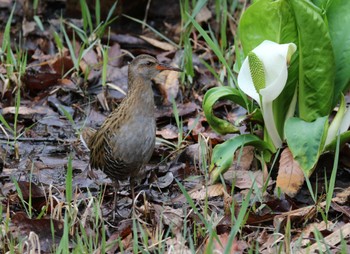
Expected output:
(126, 139)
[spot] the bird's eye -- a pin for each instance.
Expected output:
(149, 63)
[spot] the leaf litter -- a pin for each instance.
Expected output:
(56, 103)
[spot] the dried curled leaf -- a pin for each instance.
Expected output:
(290, 176)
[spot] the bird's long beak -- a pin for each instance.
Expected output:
(162, 67)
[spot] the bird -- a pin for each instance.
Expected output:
(125, 141)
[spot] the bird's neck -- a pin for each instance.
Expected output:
(141, 94)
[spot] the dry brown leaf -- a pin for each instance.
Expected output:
(342, 197)
(26, 112)
(28, 27)
(330, 240)
(177, 245)
(320, 226)
(244, 179)
(21, 226)
(170, 217)
(168, 132)
(200, 193)
(6, 4)
(300, 215)
(115, 55)
(195, 125)
(172, 85)
(90, 59)
(243, 159)
(203, 15)
(159, 44)
(168, 85)
(211, 191)
(290, 176)
(219, 247)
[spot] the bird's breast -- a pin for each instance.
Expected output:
(134, 142)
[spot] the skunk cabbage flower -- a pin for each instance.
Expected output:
(263, 76)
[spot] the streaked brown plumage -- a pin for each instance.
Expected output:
(126, 139)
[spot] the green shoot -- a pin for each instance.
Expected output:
(330, 188)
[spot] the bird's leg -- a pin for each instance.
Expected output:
(132, 185)
(116, 188)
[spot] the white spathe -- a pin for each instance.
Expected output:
(275, 59)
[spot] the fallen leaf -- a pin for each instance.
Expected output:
(177, 245)
(221, 245)
(62, 64)
(28, 27)
(195, 125)
(183, 109)
(171, 217)
(27, 112)
(290, 176)
(243, 158)
(115, 55)
(342, 209)
(342, 197)
(207, 192)
(37, 81)
(309, 229)
(203, 15)
(330, 240)
(159, 44)
(299, 215)
(35, 191)
(168, 132)
(244, 179)
(201, 192)
(164, 181)
(22, 226)
(168, 82)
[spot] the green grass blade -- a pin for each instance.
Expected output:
(69, 178)
(6, 42)
(330, 189)
(215, 48)
(153, 30)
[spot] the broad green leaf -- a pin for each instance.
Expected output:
(267, 20)
(272, 20)
(338, 15)
(222, 93)
(223, 154)
(306, 140)
(316, 62)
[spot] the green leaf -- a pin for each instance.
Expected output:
(222, 93)
(316, 62)
(338, 16)
(306, 140)
(223, 154)
(267, 20)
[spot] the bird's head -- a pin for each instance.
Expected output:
(148, 67)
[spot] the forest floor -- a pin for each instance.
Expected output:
(54, 86)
